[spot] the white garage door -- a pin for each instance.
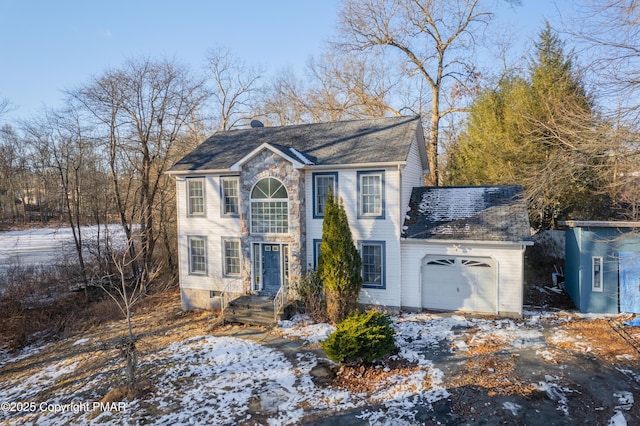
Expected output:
(459, 283)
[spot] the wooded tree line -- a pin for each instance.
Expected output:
(563, 123)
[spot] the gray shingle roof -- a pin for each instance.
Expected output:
(335, 143)
(481, 213)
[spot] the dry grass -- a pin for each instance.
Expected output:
(90, 353)
(367, 379)
(486, 366)
(596, 336)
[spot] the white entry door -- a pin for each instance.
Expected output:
(453, 283)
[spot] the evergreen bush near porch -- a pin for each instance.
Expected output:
(361, 337)
(339, 263)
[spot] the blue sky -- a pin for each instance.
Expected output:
(47, 46)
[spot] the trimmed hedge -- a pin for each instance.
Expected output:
(360, 337)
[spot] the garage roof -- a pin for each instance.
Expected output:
(479, 213)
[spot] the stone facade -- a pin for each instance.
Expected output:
(268, 164)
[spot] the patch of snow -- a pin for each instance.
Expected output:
(215, 378)
(459, 345)
(27, 351)
(555, 392)
(507, 331)
(44, 246)
(302, 327)
(630, 373)
(625, 400)
(546, 355)
(301, 156)
(617, 419)
(625, 357)
(416, 332)
(468, 201)
(561, 336)
(47, 377)
(221, 380)
(512, 406)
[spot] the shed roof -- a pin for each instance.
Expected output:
(479, 213)
(335, 143)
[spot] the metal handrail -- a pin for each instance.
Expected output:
(278, 301)
(225, 297)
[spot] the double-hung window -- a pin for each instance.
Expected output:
(231, 254)
(197, 255)
(322, 182)
(195, 196)
(371, 194)
(230, 196)
(373, 263)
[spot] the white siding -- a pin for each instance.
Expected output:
(411, 176)
(212, 226)
(509, 259)
(367, 229)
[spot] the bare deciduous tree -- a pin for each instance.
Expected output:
(284, 101)
(142, 111)
(60, 138)
(351, 87)
(434, 41)
(608, 34)
(338, 87)
(11, 158)
(235, 87)
(5, 106)
(126, 293)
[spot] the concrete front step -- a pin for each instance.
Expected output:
(254, 310)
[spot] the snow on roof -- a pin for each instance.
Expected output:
(449, 204)
(492, 213)
(301, 156)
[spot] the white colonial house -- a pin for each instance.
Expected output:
(250, 212)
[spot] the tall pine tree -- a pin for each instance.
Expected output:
(339, 264)
(541, 133)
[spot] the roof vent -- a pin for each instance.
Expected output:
(256, 123)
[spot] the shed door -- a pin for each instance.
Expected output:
(459, 283)
(629, 270)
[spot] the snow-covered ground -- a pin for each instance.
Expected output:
(46, 246)
(224, 380)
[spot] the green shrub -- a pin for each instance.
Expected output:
(360, 337)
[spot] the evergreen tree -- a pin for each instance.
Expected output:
(492, 142)
(339, 263)
(541, 133)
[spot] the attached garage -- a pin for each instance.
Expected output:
(463, 249)
(458, 283)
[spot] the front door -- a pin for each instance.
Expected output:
(629, 270)
(271, 273)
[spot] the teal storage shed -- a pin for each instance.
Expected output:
(602, 266)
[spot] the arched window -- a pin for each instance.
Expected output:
(269, 207)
